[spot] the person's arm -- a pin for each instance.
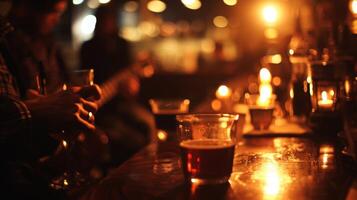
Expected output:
(16, 132)
(25, 126)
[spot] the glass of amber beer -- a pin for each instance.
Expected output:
(207, 147)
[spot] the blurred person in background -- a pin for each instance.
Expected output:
(128, 124)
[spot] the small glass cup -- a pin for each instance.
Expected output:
(207, 145)
(165, 111)
(260, 116)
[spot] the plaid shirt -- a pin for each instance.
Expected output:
(15, 116)
(15, 123)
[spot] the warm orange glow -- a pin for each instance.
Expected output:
(264, 75)
(207, 46)
(327, 149)
(276, 59)
(148, 71)
(149, 28)
(103, 1)
(223, 92)
(353, 6)
(220, 21)
(347, 87)
(192, 4)
(270, 14)
(332, 93)
(131, 6)
(230, 2)
(162, 135)
(354, 26)
(291, 51)
(325, 101)
(156, 6)
(168, 29)
(93, 4)
(216, 105)
(265, 95)
(131, 34)
(276, 81)
(273, 178)
(64, 143)
(271, 33)
(291, 93)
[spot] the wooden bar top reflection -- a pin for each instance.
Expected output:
(264, 168)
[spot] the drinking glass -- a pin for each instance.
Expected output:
(300, 88)
(72, 177)
(207, 147)
(165, 111)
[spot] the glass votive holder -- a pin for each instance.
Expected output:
(261, 116)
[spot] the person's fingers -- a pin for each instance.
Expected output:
(85, 114)
(83, 123)
(89, 105)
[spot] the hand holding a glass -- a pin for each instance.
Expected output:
(64, 110)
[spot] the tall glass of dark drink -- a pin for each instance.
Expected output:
(300, 88)
(207, 147)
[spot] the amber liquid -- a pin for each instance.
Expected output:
(207, 159)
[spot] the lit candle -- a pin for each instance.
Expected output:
(325, 101)
(264, 75)
(265, 94)
(265, 89)
(223, 92)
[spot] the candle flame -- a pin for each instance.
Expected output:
(264, 75)
(223, 92)
(265, 95)
(324, 95)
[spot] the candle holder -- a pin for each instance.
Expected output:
(325, 92)
(261, 116)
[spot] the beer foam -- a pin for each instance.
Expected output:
(206, 144)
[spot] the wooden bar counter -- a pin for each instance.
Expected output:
(264, 168)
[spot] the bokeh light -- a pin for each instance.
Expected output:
(131, 6)
(220, 21)
(103, 1)
(270, 14)
(77, 2)
(156, 6)
(230, 2)
(192, 4)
